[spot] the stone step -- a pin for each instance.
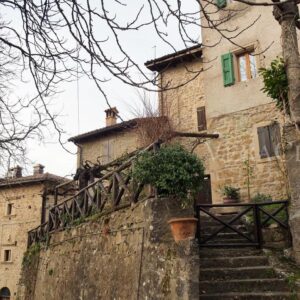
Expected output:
(224, 217)
(228, 252)
(212, 223)
(231, 262)
(221, 273)
(244, 285)
(248, 296)
(225, 235)
(231, 242)
(215, 227)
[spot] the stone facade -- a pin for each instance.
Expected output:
(107, 147)
(128, 254)
(22, 207)
(225, 158)
(234, 112)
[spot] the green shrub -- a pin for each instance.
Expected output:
(260, 197)
(231, 192)
(271, 208)
(172, 170)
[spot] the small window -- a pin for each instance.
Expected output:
(246, 66)
(269, 140)
(4, 293)
(9, 209)
(7, 255)
(201, 118)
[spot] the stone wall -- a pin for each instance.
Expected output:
(128, 254)
(108, 147)
(225, 157)
(26, 214)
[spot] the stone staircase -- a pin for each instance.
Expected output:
(237, 272)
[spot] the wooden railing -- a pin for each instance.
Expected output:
(107, 193)
(259, 216)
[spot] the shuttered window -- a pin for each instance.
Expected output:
(269, 140)
(201, 118)
(221, 3)
(228, 69)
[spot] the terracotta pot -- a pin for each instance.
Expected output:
(230, 201)
(183, 228)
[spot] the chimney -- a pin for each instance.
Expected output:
(111, 116)
(38, 169)
(15, 172)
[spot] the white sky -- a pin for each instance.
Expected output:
(92, 105)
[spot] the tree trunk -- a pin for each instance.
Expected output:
(287, 15)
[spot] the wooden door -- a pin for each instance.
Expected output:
(204, 197)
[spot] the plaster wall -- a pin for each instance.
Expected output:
(264, 36)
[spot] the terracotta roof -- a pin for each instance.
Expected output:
(4, 182)
(126, 125)
(172, 59)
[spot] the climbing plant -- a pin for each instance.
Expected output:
(276, 83)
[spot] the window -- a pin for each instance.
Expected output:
(269, 140)
(7, 255)
(244, 63)
(9, 209)
(201, 118)
(246, 66)
(4, 294)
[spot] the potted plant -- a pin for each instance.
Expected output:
(177, 174)
(231, 194)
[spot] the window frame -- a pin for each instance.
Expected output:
(9, 209)
(247, 53)
(201, 109)
(7, 255)
(274, 151)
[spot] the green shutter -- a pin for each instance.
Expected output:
(221, 3)
(227, 66)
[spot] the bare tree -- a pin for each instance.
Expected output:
(54, 40)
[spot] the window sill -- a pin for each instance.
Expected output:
(7, 262)
(9, 244)
(9, 216)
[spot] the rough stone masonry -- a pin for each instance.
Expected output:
(128, 254)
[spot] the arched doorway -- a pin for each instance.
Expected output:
(4, 294)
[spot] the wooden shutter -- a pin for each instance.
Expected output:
(265, 147)
(201, 118)
(227, 68)
(275, 138)
(221, 3)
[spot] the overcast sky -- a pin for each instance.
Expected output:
(142, 45)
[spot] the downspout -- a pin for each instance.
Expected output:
(161, 113)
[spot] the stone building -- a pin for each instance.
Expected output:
(221, 93)
(24, 202)
(106, 144)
